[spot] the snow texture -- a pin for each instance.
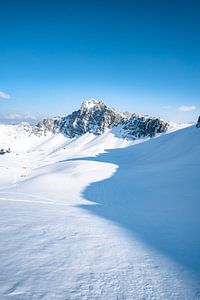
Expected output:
(78, 221)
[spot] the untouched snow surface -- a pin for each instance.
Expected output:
(120, 225)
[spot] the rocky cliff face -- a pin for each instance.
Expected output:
(137, 127)
(96, 117)
(93, 116)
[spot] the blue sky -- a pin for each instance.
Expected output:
(139, 56)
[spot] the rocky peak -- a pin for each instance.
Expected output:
(91, 104)
(137, 127)
(95, 117)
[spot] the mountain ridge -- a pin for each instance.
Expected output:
(96, 117)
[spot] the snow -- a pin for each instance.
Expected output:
(80, 221)
(176, 126)
(90, 104)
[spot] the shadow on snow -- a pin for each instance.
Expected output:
(154, 193)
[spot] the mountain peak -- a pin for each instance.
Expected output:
(95, 117)
(90, 104)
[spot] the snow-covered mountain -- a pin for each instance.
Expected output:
(93, 116)
(71, 191)
(96, 117)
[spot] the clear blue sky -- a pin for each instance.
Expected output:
(141, 56)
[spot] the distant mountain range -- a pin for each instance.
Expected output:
(96, 117)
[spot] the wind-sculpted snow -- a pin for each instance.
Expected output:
(121, 225)
(155, 193)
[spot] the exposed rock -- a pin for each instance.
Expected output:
(143, 126)
(93, 116)
(96, 117)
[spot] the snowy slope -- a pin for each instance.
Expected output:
(157, 183)
(29, 151)
(20, 137)
(119, 225)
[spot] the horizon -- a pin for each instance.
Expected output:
(137, 56)
(14, 119)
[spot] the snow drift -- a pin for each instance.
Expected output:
(155, 193)
(120, 225)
